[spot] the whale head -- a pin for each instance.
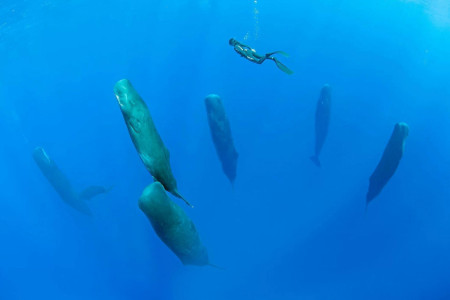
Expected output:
(133, 108)
(124, 91)
(325, 94)
(402, 129)
(41, 157)
(213, 102)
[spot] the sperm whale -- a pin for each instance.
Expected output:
(145, 137)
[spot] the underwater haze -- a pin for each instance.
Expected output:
(285, 228)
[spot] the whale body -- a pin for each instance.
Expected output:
(221, 135)
(322, 122)
(389, 161)
(62, 185)
(173, 226)
(145, 137)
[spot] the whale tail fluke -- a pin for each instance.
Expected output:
(369, 198)
(92, 191)
(315, 160)
(216, 266)
(370, 195)
(178, 195)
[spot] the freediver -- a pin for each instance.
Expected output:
(250, 54)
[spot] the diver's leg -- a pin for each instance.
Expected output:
(261, 60)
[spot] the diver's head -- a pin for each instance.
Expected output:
(232, 42)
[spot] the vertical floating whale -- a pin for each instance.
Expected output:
(173, 226)
(62, 185)
(221, 135)
(389, 161)
(322, 121)
(145, 137)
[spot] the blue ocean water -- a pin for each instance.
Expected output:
(286, 229)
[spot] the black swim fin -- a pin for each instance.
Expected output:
(283, 67)
(279, 52)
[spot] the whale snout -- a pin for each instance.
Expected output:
(40, 155)
(402, 128)
(212, 101)
(38, 150)
(121, 90)
(326, 91)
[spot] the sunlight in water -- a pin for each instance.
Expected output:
(255, 32)
(439, 10)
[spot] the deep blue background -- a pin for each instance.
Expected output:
(286, 230)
